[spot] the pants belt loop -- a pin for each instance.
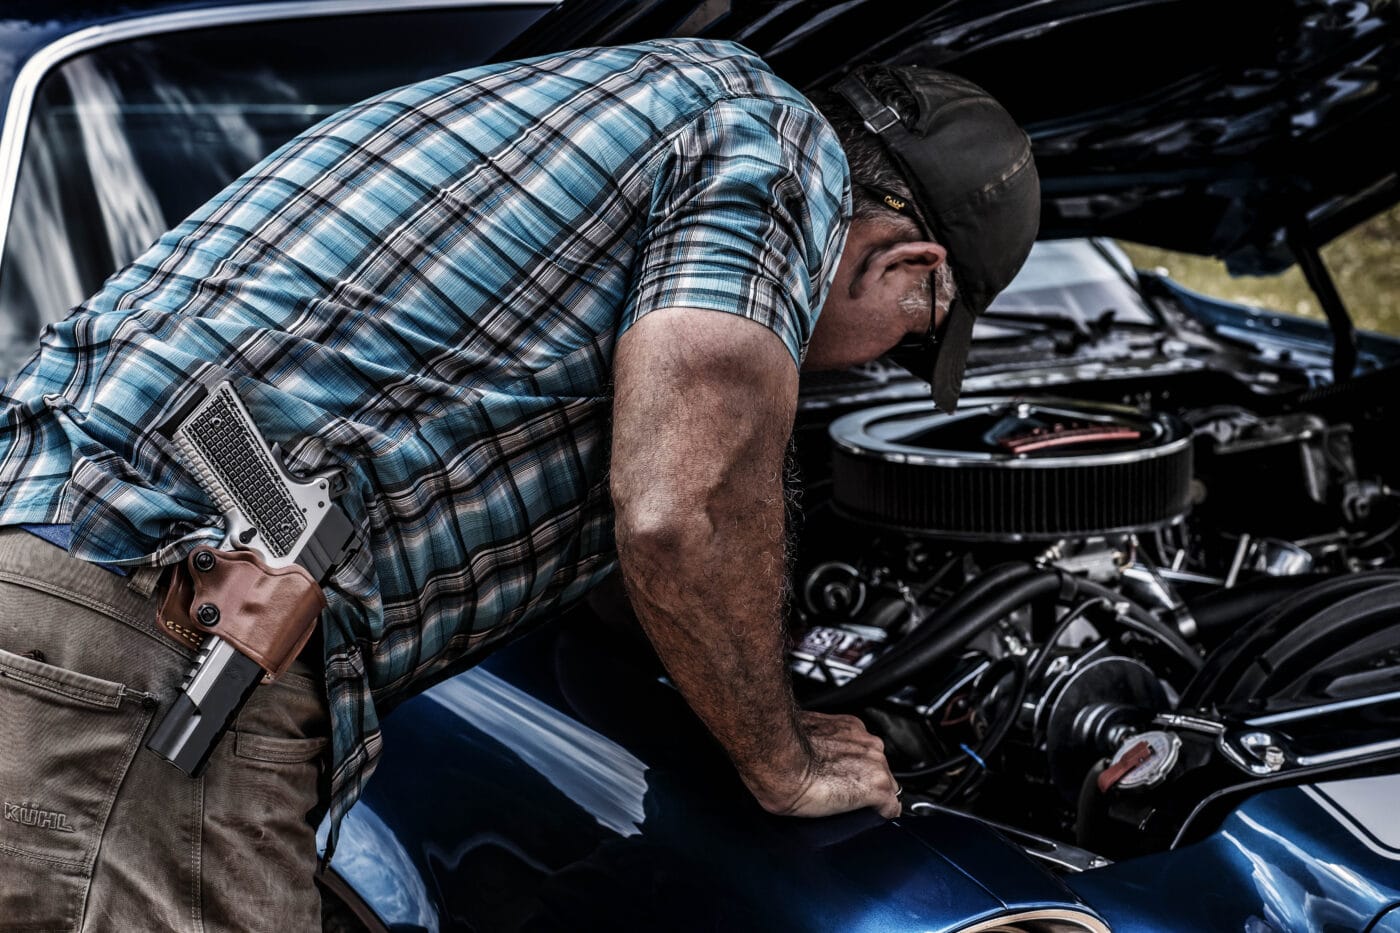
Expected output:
(144, 580)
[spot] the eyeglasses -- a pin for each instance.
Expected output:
(918, 353)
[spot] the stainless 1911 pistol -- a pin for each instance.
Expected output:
(283, 519)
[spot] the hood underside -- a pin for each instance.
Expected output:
(1194, 125)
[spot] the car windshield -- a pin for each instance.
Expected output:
(125, 141)
(1078, 280)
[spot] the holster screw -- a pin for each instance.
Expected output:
(204, 561)
(207, 614)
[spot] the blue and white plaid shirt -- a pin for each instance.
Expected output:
(425, 290)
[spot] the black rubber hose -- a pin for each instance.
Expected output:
(962, 620)
(1139, 618)
(1220, 612)
(985, 583)
(998, 577)
(1027, 677)
(950, 630)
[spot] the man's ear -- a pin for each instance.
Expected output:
(897, 266)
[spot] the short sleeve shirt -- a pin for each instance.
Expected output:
(424, 291)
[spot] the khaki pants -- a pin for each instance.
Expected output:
(100, 834)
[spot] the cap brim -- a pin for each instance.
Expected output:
(941, 365)
(952, 355)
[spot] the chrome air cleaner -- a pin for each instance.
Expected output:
(1011, 469)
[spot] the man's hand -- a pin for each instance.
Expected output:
(703, 410)
(846, 771)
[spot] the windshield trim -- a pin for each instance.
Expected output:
(37, 67)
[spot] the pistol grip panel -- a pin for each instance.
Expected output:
(267, 613)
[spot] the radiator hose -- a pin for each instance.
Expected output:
(981, 604)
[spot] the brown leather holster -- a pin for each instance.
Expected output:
(266, 613)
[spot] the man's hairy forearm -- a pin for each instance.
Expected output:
(703, 411)
(709, 593)
(703, 406)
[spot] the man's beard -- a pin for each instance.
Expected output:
(917, 300)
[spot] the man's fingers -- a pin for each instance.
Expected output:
(881, 788)
(847, 745)
(868, 740)
(852, 728)
(843, 724)
(850, 769)
(881, 792)
(891, 806)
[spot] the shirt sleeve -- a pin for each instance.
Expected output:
(748, 214)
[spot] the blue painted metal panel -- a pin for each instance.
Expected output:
(558, 786)
(1281, 862)
(1389, 922)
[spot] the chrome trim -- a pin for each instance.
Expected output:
(1047, 920)
(1346, 754)
(38, 65)
(1321, 709)
(858, 423)
(1190, 723)
(1051, 852)
(1187, 576)
(972, 537)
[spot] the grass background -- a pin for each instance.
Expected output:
(1364, 262)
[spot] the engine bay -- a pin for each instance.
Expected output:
(1098, 624)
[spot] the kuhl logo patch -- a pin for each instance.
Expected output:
(26, 814)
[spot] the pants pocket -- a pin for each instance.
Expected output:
(262, 800)
(66, 742)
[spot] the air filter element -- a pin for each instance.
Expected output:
(1011, 469)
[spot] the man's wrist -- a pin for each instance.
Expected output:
(781, 776)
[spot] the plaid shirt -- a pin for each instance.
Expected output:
(425, 290)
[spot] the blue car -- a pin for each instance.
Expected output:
(1128, 621)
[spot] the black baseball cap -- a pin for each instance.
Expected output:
(974, 182)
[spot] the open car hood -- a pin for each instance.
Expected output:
(1199, 126)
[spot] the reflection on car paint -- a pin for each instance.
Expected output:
(370, 852)
(1367, 808)
(1278, 863)
(129, 211)
(586, 766)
